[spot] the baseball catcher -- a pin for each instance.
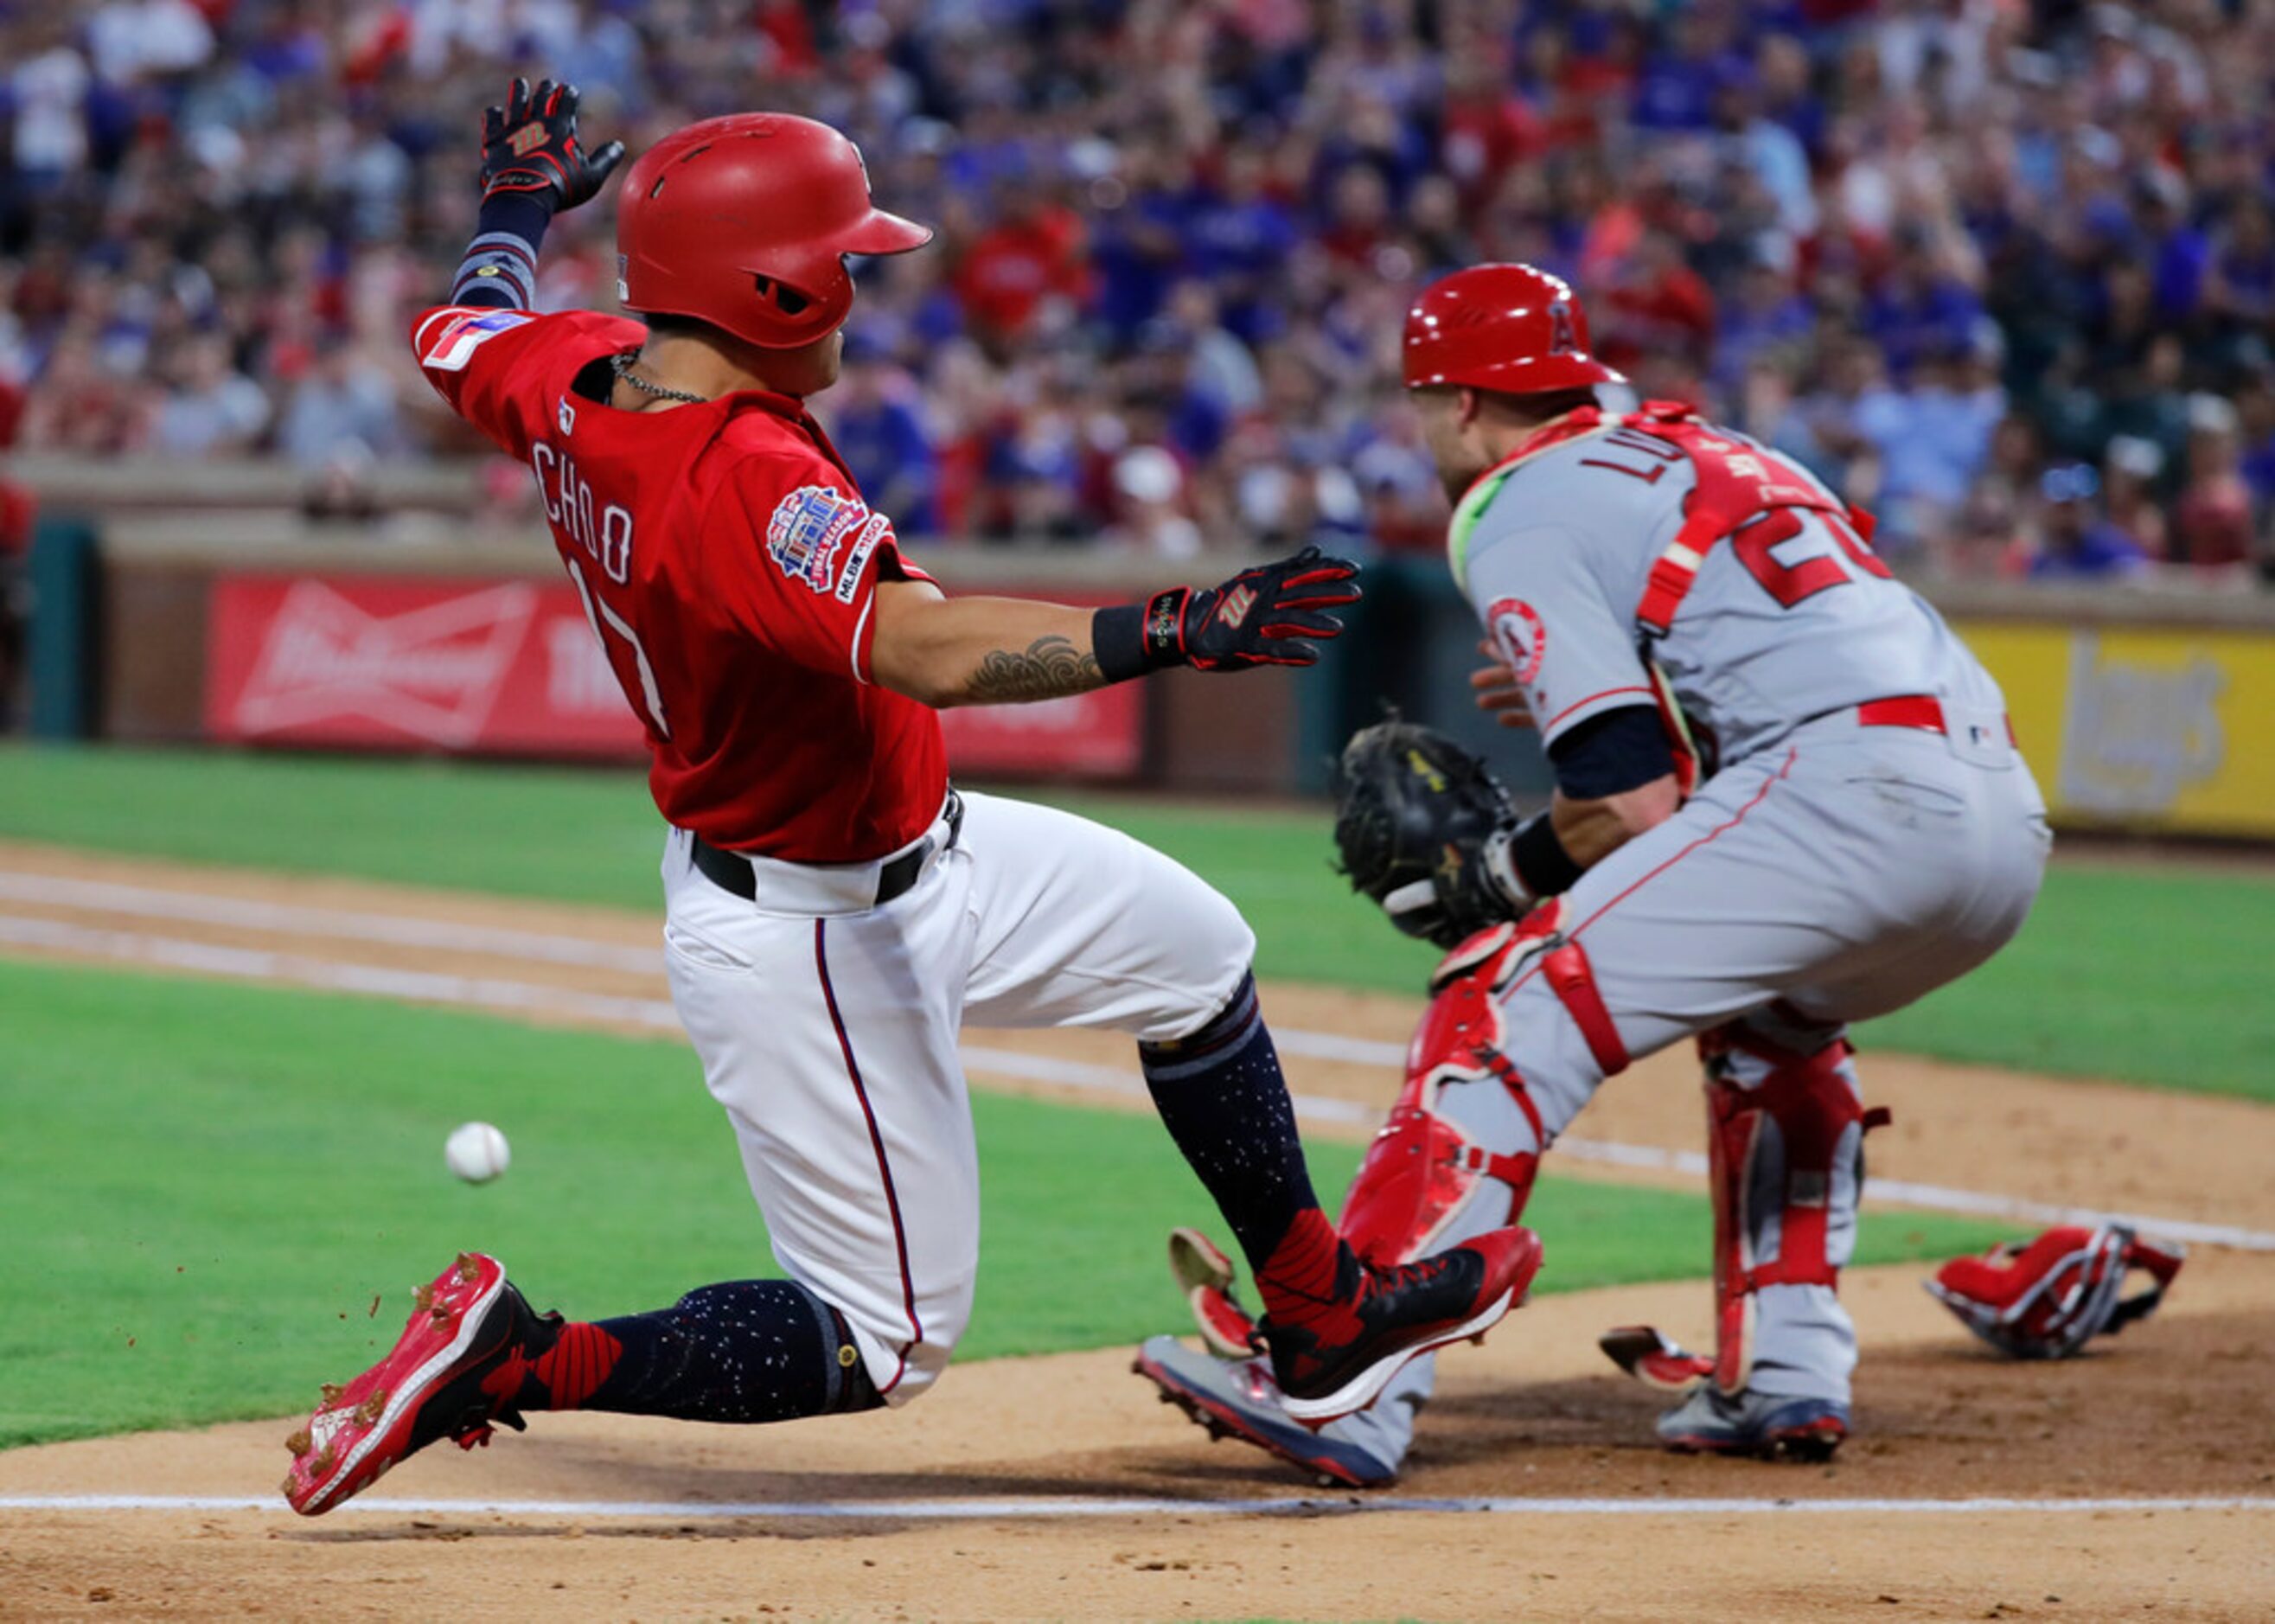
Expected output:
(1787, 798)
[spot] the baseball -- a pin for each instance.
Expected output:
(477, 1152)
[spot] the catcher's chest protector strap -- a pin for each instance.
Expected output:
(1773, 1148)
(1734, 485)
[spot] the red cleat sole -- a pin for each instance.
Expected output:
(362, 1429)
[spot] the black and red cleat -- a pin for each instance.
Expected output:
(444, 1377)
(1341, 1356)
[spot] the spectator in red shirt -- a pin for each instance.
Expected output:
(1032, 256)
(1487, 129)
(2212, 522)
(1658, 303)
(1358, 217)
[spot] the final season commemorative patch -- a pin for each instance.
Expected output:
(808, 528)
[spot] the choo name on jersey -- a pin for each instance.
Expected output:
(603, 529)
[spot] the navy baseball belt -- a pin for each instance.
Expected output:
(731, 872)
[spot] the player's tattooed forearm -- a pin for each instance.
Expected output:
(1052, 667)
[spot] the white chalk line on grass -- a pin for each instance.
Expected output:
(393, 930)
(332, 975)
(980, 1509)
(519, 997)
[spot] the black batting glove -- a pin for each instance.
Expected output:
(1268, 616)
(530, 148)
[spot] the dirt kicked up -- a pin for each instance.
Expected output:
(2139, 1482)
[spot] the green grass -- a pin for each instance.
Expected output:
(2154, 976)
(560, 833)
(202, 1185)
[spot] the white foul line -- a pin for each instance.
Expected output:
(979, 1508)
(519, 997)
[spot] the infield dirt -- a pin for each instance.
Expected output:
(2178, 1406)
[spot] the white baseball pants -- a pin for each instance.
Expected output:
(827, 1028)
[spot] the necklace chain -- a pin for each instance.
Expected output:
(622, 365)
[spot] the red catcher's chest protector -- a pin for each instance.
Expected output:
(1736, 483)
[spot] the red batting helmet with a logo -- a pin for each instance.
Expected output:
(1505, 328)
(744, 222)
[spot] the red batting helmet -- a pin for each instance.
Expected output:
(1505, 328)
(744, 222)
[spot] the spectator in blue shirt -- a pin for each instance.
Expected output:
(880, 431)
(2179, 251)
(1922, 310)
(1676, 90)
(2074, 541)
(1766, 316)
(1932, 438)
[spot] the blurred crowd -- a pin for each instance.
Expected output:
(2003, 271)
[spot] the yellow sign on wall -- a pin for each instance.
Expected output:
(2152, 730)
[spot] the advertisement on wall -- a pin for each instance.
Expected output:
(513, 668)
(2143, 728)
(385, 662)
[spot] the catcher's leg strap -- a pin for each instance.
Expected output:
(1482, 967)
(1777, 1154)
(1463, 1116)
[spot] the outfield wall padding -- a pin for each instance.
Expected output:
(2139, 710)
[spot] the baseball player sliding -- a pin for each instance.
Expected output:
(834, 909)
(1787, 800)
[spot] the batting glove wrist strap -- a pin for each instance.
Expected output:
(1268, 616)
(1117, 637)
(530, 146)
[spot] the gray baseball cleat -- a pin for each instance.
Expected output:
(1237, 1398)
(1774, 1427)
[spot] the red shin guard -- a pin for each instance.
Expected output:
(1773, 1153)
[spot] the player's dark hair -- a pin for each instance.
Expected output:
(678, 327)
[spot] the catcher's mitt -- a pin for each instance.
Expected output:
(1422, 829)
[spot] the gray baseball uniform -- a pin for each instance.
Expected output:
(1824, 870)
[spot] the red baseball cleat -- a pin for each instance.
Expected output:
(1332, 1366)
(466, 1324)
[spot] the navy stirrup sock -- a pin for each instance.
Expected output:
(1224, 1101)
(745, 1351)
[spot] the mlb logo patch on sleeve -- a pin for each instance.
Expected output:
(453, 343)
(808, 530)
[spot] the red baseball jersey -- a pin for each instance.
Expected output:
(729, 567)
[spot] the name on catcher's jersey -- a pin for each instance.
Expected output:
(1788, 615)
(729, 566)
